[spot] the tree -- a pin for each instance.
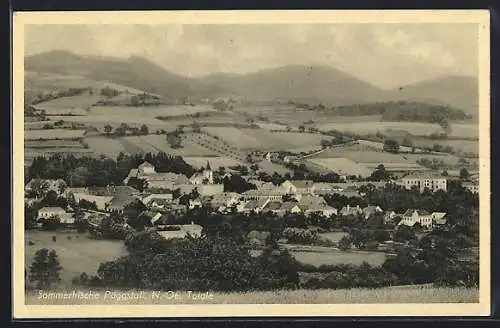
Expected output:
(174, 139)
(137, 183)
(345, 243)
(302, 128)
(379, 174)
(44, 270)
(404, 233)
(391, 146)
(108, 128)
(144, 129)
(464, 174)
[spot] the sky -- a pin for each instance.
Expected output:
(386, 55)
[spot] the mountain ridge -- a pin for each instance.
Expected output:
(307, 83)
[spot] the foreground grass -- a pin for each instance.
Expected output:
(404, 294)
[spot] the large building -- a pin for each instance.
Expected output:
(156, 180)
(431, 182)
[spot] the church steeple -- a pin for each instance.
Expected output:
(208, 166)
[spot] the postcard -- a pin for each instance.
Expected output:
(251, 163)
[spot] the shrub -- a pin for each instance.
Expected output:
(54, 238)
(31, 243)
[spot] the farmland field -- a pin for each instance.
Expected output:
(316, 255)
(38, 82)
(468, 146)
(215, 161)
(76, 104)
(270, 168)
(342, 166)
(265, 140)
(401, 294)
(415, 128)
(77, 255)
(53, 134)
(52, 144)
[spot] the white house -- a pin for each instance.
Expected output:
(50, 212)
(422, 181)
(424, 218)
(195, 203)
(298, 186)
(471, 186)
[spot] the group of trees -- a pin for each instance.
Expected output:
(214, 261)
(125, 129)
(71, 92)
(89, 171)
(395, 111)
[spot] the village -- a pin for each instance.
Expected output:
(166, 194)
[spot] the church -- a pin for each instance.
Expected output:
(204, 177)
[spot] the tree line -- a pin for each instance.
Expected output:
(100, 172)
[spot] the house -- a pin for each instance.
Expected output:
(298, 186)
(369, 211)
(50, 212)
(423, 181)
(166, 198)
(156, 180)
(423, 217)
(206, 176)
(100, 201)
(40, 187)
(321, 209)
(389, 216)
(351, 210)
(271, 157)
(255, 205)
(473, 187)
(146, 168)
(275, 193)
(195, 203)
(272, 207)
(118, 203)
(224, 201)
(179, 231)
(290, 207)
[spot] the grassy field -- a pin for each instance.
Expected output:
(415, 128)
(333, 236)
(342, 166)
(394, 295)
(143, 144)
(78, 254)
(318, 257)
(264, 140)
(215, 161)
(69, 104)
(53, 134)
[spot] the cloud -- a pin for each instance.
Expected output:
(382, 54)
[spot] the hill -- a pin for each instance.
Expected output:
(299, 83)
(134, 72)
(308, 84)
(456, 91)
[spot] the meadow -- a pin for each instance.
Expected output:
(215, 161)
(415, 128)
(53, 134)
(401, 294)
(76, 252)
(264, 140)
(317, 256)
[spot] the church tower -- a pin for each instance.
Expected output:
(208, 174)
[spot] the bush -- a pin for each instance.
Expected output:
(31, 243)
(197, 263)
(54, 238)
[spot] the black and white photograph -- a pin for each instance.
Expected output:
(176, 159)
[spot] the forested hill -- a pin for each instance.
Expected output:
(395, 111)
